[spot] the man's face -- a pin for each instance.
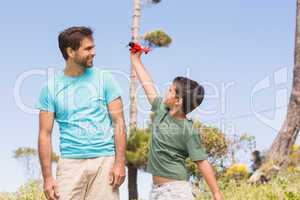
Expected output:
(84, 56)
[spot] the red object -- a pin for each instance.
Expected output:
(136, 47)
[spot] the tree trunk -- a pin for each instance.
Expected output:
(280, 150)
(132, 183)
(287, 135)
(132, 171)
(133, 78)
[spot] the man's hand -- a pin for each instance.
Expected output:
(51, 189)
(117, 175)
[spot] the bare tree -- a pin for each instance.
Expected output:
(278, 155)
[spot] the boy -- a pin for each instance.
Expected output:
(173, 137)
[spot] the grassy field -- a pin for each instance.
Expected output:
(286, 186)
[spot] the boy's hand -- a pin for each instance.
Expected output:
(135, 57)
(143, 76)
(218, 196)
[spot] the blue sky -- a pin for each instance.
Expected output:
(232, 44)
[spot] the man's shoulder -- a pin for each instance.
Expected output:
(53, 82)
(98, 69)
(102, 73)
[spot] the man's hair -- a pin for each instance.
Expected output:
(190, 91)
(72, 38)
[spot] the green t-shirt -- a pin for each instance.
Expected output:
(171, 143)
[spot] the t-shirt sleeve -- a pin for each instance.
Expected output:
(195, 147)
(112, 89)
(45, 101)
(156, 104)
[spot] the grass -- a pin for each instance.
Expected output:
(285, 186)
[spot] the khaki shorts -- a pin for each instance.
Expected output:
(85, 179)
(177, 190)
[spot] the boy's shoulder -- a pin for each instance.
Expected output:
(191, 128)
(158, 105)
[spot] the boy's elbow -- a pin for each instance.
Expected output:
(202, 164)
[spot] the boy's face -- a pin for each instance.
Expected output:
(171, 100)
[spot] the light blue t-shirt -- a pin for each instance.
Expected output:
(80, 107)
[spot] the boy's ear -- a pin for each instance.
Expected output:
(179, 102)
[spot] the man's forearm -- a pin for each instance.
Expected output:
(45, 153)
(120, 142)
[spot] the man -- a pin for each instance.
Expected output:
(86, 104)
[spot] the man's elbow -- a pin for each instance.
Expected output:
(120, 126)
(44, 134)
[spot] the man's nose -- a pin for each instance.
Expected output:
(93, 52)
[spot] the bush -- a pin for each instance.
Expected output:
(33, 190)
(214, 141)
(237, 171)
(158, 39)
(138, 147)
(216, 146)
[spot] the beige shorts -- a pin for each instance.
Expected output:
(177, 190)
(85, 179)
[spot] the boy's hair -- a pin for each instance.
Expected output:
(190, 91)
(72, 37)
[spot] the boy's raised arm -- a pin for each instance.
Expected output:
(144, 77)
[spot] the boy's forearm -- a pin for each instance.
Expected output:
(144, 78)
(45, 153)
(142, 73)
(209, 176)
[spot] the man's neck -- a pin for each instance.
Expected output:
(73, 69)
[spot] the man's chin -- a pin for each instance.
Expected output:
(89, 65)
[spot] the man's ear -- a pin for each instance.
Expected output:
(70, 52)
